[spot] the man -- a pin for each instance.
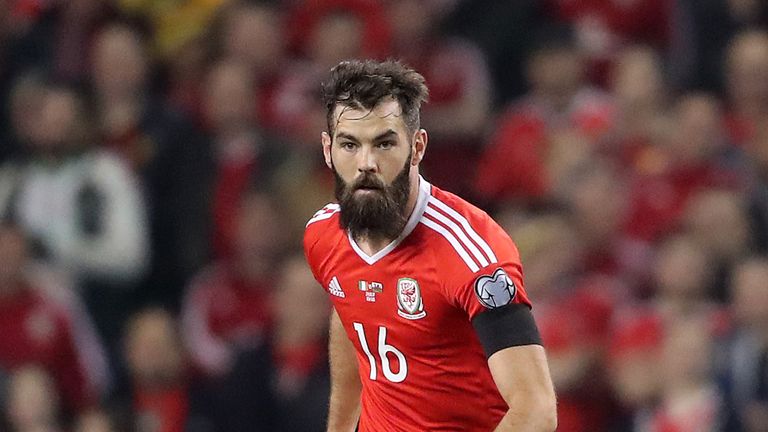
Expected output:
(431, 328)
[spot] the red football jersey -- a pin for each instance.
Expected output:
(408, 310)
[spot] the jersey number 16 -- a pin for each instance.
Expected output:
(384, 349)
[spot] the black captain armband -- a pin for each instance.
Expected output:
(506, 326)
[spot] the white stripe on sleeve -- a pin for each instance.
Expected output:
(459, 233)
(464, 223)
(452, 240)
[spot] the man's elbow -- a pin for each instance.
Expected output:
(540, 413)
(546, 413)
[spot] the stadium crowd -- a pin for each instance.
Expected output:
(159, 159)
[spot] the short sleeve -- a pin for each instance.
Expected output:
(494, 297)
(495, 285)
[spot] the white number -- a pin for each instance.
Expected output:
(384, 349)
(361, 335)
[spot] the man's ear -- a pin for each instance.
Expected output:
(419, 146)
(326, 140)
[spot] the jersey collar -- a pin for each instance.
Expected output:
(425, 189)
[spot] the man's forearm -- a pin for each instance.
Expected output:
(343, 411)
(344, 406)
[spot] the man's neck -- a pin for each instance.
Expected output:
(373, 244)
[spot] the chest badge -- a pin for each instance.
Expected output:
(409, 303)
(370, 289)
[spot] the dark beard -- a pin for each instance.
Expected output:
(380, 214)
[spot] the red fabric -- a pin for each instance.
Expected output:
(301, 359)
(166, 409)
(238, 310)
(612, 24)
(581, 316)
(570, 416)
(740, 130)
(288, 102)
(28, 9)
(579, 320)
(270, 111)
(233, 180)
(697, 415)
(634, 331)
(34, 330)
(447, 66)
(451, 68)
(514, 163)
(658, 201)
(645, 21)
(376, 31)
(225, 312)
(583, 412)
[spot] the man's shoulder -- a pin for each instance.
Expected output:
(323, 224)
(461, 231)
(460, 211)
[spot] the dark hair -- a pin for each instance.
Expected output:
(364, 83)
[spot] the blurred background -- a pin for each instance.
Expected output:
(159, 159)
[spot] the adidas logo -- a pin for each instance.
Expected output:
(335, 289)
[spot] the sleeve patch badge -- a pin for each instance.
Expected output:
(496, 290)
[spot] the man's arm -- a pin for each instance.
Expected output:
(522, 377)
(344, 407)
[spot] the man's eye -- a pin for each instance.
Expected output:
(386, 144)
(348, 145)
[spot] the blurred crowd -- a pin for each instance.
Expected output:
(159, 158)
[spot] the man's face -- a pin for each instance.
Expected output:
(373, 157)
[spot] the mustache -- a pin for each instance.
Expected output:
(368, 181)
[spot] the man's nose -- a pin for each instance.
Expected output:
(366, 160)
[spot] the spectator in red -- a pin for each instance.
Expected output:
(243, 153)
(459, 89)
(35, 329)
(573, 313)
(514, 164)
(311, 17)
(604, 27)
(162, 395)
(695, 156)
(574, 347)
(633, 357)
(323, 33)
(638, 86)
(690, 400)
(228, 307)
(596, 194)
(300, 345)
